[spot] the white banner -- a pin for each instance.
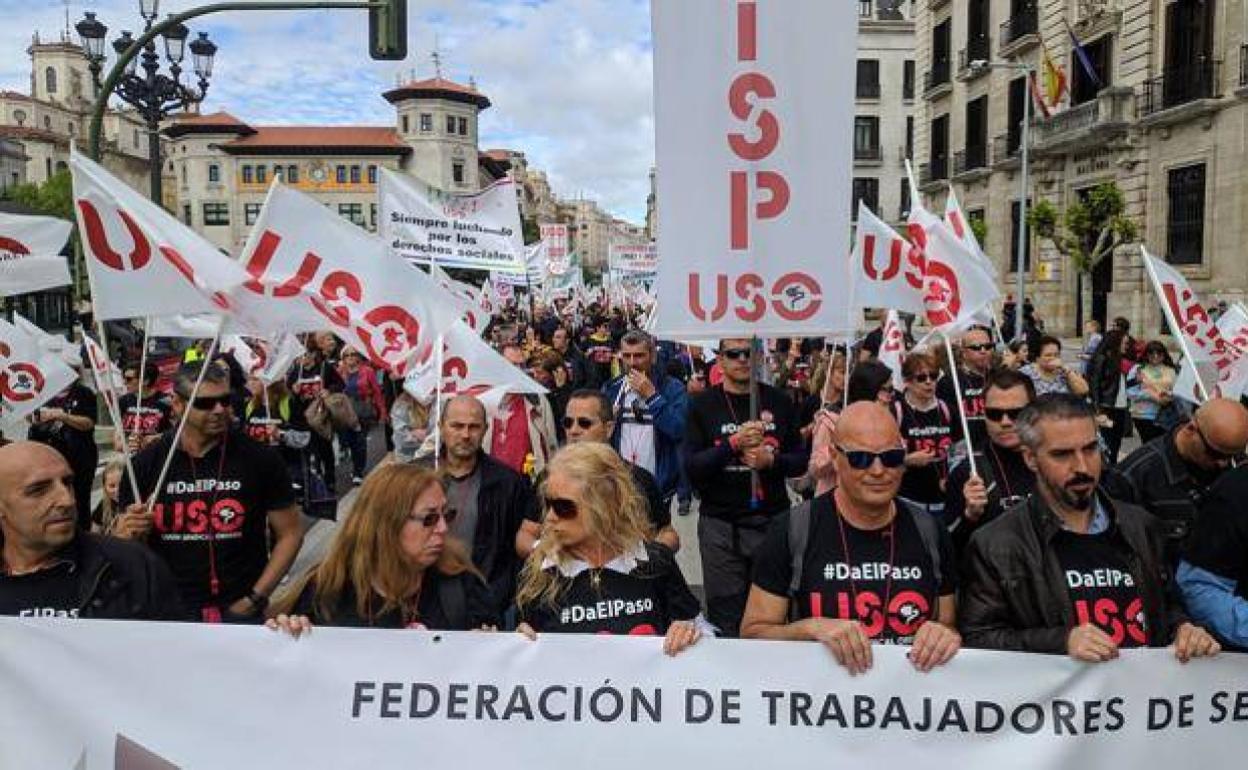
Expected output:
(112, 694)
(423, 224)
(554, 256)
(202, 326)
(469, 367)
(30, 248)
(629, 258)
(29, 376)
(314, 271)
(753, 106)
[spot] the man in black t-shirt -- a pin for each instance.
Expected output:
(976, 347)
(67, 424)
(48, 569)
(211, 517)
(725, 452)
(143, 421)
(1071, 571)
(855, 566)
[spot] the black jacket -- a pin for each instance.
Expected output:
(1014, 596)
(1104, 379)
(503, 503)
(119, 580)
(1157, 479)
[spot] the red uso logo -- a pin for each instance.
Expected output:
(13, 247)
(19, 381)
(793, 296)
(941, 297)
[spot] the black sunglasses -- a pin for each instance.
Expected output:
(736, 354)
(997, 415)
(861, 459)
(1215, 454)
(983, 347)
(584, 423)
(923, 378)
(430, 520)
(564, 509)
(208, 403)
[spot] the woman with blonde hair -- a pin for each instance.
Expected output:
(392, 565)
(110, 482)
(597, 568)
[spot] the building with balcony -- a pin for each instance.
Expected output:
(884, 107)
(1159, 109)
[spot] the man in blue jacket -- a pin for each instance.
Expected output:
(650, 412)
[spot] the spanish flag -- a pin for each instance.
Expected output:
(1055, 85)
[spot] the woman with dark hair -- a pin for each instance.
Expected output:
(1150, 389)
(1108, 390)
(927, 427)
(393, 564)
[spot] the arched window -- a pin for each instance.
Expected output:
(49, 77)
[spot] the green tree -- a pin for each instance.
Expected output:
(55, 197)
(532, 232)
(980, 228)
(1091, 228)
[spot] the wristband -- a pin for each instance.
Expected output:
(258, 600)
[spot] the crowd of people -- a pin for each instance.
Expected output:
(981, 504)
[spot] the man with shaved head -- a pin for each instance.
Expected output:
(856, 566)
(49, 569)
(1171, 475)
(492, 501)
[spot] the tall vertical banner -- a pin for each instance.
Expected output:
(555, 249)
(753, 104)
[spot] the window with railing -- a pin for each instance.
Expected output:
(867, 138)
(1178, 86)
(1185, 222)
(942, 43)
(1024, 20)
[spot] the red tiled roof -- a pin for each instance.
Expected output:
(501, 155)
(219, 118)
(438, 88)
(213, 123)
(327, 137)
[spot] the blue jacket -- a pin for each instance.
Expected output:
(667, 407)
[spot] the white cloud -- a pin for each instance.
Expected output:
(570, 80)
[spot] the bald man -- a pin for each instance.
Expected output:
(50, 570)
(1171, 475)
(869, 566)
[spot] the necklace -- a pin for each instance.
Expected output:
(891, 534)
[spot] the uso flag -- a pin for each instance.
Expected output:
(30, 375)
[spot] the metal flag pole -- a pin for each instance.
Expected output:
(957, 394)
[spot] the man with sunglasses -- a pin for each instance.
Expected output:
(210, 520)
(1003, 479)
(976, 361)
(724, 449)
(1071, 571)
(144, 420)
(1171, 475)
(857, 566)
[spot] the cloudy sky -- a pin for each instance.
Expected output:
(570, 80)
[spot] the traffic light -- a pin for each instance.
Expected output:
(387, 31)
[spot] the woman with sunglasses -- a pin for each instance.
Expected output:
(1150, 389)
(596, 569)
(392, 565)
(927, 427)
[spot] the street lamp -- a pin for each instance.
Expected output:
(154, 95)
(1028, 70)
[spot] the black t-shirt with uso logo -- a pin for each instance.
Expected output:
(152, 418)
(1101, 587)
(211, 518)
(640, 602)
(885, 579)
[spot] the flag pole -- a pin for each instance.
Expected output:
(186, 412)
(1173, 323)
(110, 403)
(138, 404)
(957, 392)
(756, 481)
(437, 402)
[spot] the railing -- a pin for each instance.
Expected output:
(936, 77)
(977, 49)
(935, 170)
(1178, 85)
(1025, 22)
(884, 10)
(875, 153)
(1076, 118)
(1006, 147)
(867, 90)
(972, 158)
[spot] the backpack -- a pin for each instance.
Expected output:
(799, 537)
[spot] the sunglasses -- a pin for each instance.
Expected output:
(981, 348)
(861, 459)
(997, 415)
(430, 520)
(923, 378)
(563, 509)
(208, 403)
(1215, 454)
(584, 423)
(736, 354)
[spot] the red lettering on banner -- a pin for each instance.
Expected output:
(11, 246)
(759, 86)
(941, 296)
(955, 221)
(793, 296)
(748, 286)
(894, 259)
(140, 254)
(336, 287)
(916, 258)
(180, 264)
(695, 298)
(260, 260)
(796, 297)
(747, 32)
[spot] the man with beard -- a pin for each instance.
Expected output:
(492, 501)
(976, 349)
(1070, 571)
(1003, 480)
(211, 519)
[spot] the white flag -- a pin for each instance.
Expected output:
(109, 382)
(29, 375)
(275, 355)
(893, 347)
(469, 367)
(143, 261)
(480, 231)
(468, 297)
(242, 352)
(312, 271)
(30, 248)
(51, 343)
(961, 226)
(195, 327)
(887, 272)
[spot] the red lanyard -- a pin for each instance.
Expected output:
(849, 559)
(214, 583)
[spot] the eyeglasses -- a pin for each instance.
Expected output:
(861, 459)
(923, 378)
(736, 354)
(430, 520)
(584, 423)
(563, 509)
(997, 415)
(128, 376)
(208, 403)
(1215, 454)
(983, 347)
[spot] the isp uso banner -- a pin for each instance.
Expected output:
(753, 107)
(82, 694)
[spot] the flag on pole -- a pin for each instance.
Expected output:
(469, 367)
(961, 226)
(1081, 54)
(885, 271)
(893, 347)
(30, 248)
(1037, 97)
(1055, 85)
(30, 375)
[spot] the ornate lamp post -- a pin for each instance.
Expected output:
(153, 94)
